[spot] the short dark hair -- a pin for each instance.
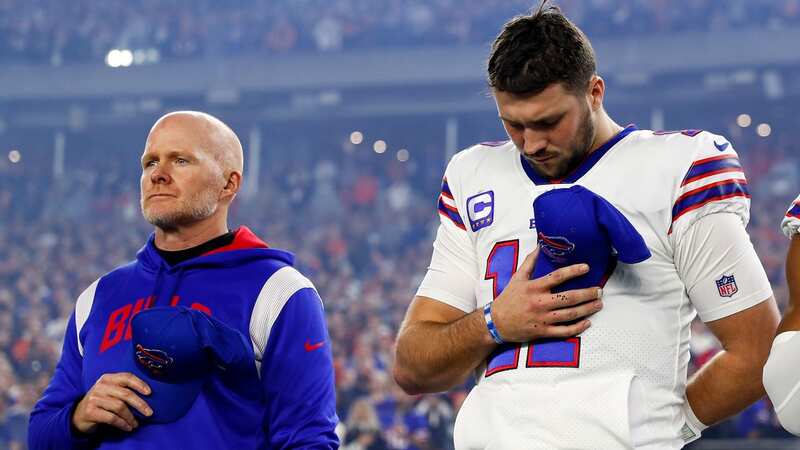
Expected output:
(534, 51)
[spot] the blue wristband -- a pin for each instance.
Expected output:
(487, 315)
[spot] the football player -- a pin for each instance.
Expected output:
(585, 368)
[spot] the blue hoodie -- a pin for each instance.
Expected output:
(288, 403)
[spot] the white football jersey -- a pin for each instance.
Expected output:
(620, 384)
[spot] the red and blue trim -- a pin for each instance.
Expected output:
(701, 196)
(584, 166)
(794, 211)
(709, 167)
(446, 189)
(451, 212)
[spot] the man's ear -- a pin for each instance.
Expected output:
(596, 92)
(232, 185)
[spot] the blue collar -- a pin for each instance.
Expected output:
(584, 166)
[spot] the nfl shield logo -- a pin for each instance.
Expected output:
(727, 286)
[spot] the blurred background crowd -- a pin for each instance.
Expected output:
(51, 31)
(353, 196)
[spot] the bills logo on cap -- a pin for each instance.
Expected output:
(155, 361)
(480, 210)
(556, 247)
(727, 286)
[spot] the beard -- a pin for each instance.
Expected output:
(578, 149)
(201, 205)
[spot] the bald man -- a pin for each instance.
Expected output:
(209, 339)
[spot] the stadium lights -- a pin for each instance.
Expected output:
(379, 146)
(123, 57)
(356, 137)
(14, 156)
(402, 155)
(119, 58)
(744, 120)
(764, 130)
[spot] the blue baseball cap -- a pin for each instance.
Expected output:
(575, 225)
(176, 350)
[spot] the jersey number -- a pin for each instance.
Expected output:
(500, 266)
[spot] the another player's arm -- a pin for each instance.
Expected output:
(781, 376)
(791, 317)
(438, 346)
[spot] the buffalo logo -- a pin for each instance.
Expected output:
(480, 210)
(155, 361)
(727, 286)
(556, 247)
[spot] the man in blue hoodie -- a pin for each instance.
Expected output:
(191, 172)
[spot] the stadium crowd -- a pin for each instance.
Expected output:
(55, 32)
(361, 227)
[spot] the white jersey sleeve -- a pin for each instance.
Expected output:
(453, 273)
(791, 221)
(712, 250)
(720, 268)
(714, 182)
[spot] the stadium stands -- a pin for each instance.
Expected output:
(53, 32)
